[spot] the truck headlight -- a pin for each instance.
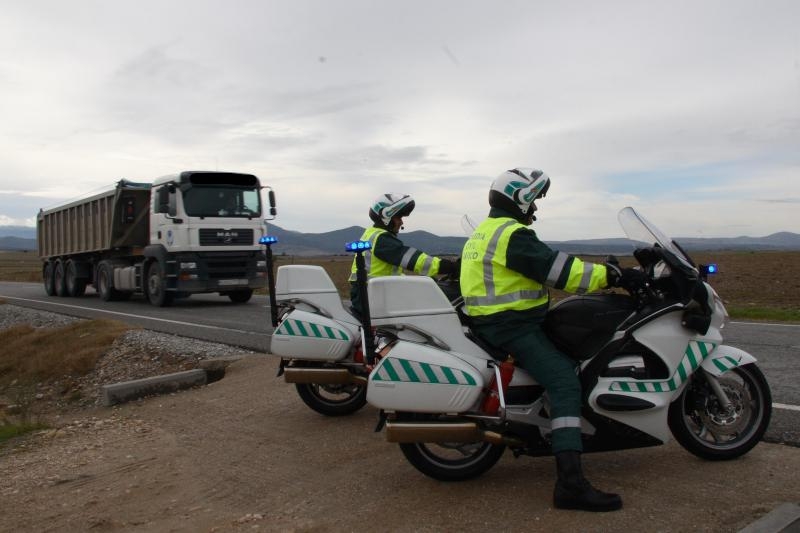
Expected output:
(189, 265)
(261, 264)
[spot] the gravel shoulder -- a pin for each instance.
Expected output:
(245, 454)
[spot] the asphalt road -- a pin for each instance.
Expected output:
(215, 318)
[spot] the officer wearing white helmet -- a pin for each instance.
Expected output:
(389, 256)
(505, 272)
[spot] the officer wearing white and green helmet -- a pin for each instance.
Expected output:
(389, 256)
(505, 272)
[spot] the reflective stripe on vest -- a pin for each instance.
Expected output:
(582, 277)
(487, 284)
(375, 266)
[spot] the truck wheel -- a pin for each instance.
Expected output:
(156, 287)
(105, 282)
(75, 286)
(59, 279)
(240, 297)
(48, 276)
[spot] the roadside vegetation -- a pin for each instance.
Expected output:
(753, 285)
(33, 356)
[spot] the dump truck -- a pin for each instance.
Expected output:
(186, 233)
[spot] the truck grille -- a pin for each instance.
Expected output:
(225, 237)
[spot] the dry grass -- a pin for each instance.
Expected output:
(32, 355)
(20, 266)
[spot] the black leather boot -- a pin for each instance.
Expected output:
(573, 491)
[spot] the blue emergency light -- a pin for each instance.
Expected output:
(709, 269)
(357, 246)
(267, 239)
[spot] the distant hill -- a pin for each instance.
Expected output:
(296, 243)
(332, 242)
(17, 243)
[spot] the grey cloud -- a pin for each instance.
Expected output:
(779, 200)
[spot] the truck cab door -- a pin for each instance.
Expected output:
(164, 209)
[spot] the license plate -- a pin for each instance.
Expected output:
(231, 282)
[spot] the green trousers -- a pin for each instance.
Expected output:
(553, 370)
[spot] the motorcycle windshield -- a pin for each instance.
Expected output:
(641, 230)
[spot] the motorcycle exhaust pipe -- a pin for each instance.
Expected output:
(409, 432)
(323, 376)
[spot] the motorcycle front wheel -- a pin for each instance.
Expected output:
(707, 429)
(333, 400)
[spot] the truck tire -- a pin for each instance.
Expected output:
(155, 287)
(240, 297)
(105, 282)
(59, 278)
(75, 286)
(48, 277)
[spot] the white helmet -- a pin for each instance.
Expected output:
(390, 205)
(515, 190)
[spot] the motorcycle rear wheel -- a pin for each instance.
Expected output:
(452, 461)
(333, 400)
(702, 426)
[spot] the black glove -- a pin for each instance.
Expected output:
(447, 267)
(630, 279)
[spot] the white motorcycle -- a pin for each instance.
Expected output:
(651, 364)
(318, 338)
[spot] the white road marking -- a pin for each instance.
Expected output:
(178, 322)
(765, 324)
(787, 407)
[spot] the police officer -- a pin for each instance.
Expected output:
(504, 271)
(389, 256)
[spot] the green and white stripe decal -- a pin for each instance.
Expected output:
(725, 363)
(403, 370)
(300, 328)
(693, 356)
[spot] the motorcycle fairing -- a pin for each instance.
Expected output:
(725, 358)
(695, 354)
(419, 378)
(310, 336)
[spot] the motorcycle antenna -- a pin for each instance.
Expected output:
(467, 225)
(268, 241)
(367, 342)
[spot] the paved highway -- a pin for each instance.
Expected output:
(215, 318)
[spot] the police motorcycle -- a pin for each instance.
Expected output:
(652, 364)
(317, 337)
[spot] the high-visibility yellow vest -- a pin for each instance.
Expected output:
(375, 265)
(487, 284)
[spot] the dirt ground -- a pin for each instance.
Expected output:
(245, 454)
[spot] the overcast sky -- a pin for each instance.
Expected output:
(687, 110)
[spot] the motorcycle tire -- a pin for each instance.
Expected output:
(707, 430)
(451, 461)
(333, 400)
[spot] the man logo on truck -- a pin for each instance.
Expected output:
(227, 236)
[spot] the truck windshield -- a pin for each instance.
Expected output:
(222, 201)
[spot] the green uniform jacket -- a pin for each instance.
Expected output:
(388, 257)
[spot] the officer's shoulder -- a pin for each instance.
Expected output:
(524, 232)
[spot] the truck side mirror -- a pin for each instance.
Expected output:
(162, 200)
(172, 207)
(272, 210)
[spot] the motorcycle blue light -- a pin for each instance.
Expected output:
(712, 269)
(267, 239)
(357, 246)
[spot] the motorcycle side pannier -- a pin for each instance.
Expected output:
(580, 325)
(310, 336)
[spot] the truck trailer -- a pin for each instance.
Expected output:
(187, 233)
